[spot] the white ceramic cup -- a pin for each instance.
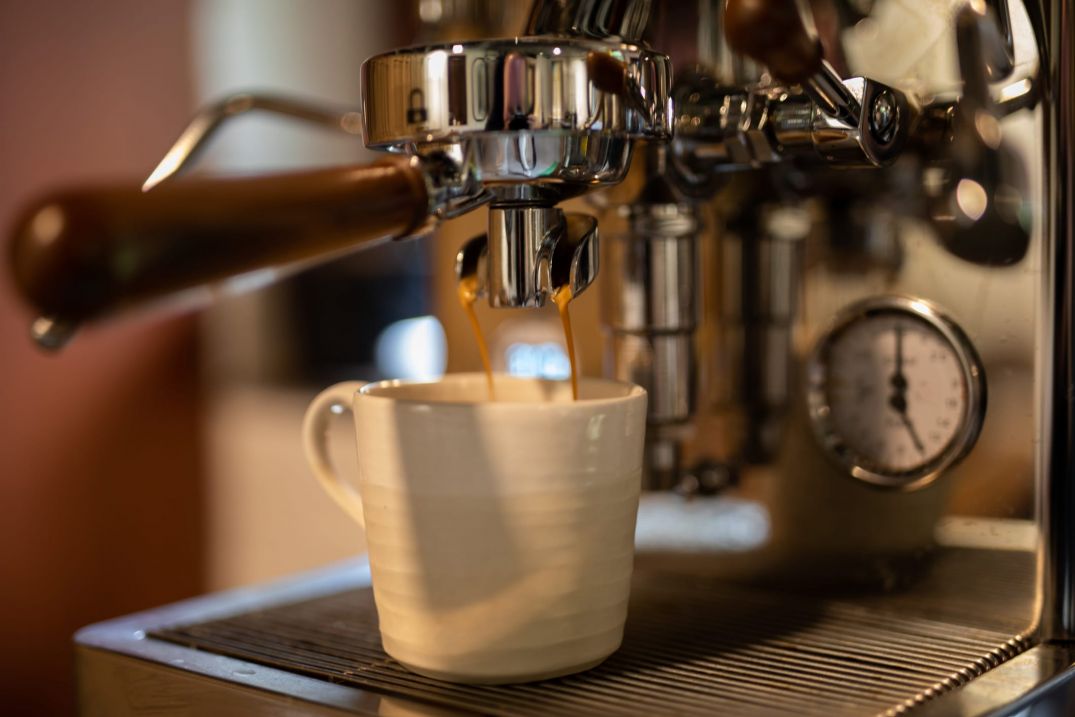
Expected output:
(500, 534)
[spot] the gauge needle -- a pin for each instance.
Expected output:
(914, 434)
(898, 400)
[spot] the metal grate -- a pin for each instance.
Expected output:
(691, 647)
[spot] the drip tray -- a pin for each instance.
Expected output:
(691, 646)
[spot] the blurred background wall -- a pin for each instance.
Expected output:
(100, 466)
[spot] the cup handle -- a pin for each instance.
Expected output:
(333, 401)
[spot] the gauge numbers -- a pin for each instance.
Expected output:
(896, 392)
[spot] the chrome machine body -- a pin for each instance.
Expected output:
(796, 223)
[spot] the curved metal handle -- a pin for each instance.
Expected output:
(80, 254)
(211, 117)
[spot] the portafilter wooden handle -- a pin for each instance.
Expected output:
(77, 255)
(772, 32)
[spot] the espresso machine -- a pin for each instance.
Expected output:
(841, 268)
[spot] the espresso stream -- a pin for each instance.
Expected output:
(562, 297)
(468, 294)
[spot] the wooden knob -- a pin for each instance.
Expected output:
(772, 32)
(85, 252)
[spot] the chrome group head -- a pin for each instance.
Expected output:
(533, 120)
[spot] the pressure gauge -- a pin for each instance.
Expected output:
(896, 392)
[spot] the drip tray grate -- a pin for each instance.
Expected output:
(692, 646)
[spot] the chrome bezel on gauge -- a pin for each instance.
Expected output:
(973, 377)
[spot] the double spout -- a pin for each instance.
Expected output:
(530, 253)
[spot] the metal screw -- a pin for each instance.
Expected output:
(884, 117)
(51, 333)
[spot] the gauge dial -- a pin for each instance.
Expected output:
(896, 392)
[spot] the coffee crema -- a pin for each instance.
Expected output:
(561, 296)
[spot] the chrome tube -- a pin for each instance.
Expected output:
(1003, 62)
(827, 89)
(761, 269)
(625, 20)
(1056, 491)
(652, 315)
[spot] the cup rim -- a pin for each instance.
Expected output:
(365, 391)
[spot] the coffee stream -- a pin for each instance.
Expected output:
(562, 297)
(468, 294)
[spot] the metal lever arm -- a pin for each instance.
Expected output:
(78, 255)
(210, 118)
(773, 33)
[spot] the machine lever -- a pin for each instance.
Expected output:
(81, 254)
(774, 33)
(981, 212)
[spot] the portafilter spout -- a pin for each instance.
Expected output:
(529, 253)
